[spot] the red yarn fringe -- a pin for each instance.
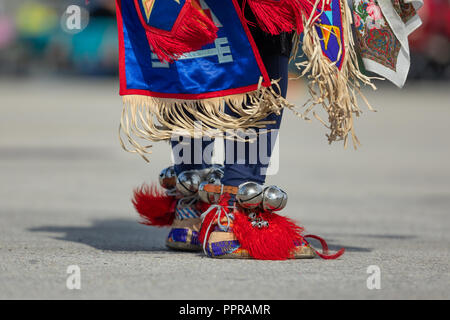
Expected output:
(191, 32)
(206, 222)
(154, 206)
(275, 17)
(274, 242)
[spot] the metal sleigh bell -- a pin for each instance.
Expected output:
(167, 178)
(205, 196)
(214, 177)
(188, 182)
(260, 223)
(274, 199)
(249, 195)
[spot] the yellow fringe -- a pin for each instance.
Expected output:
(336, 90)
(155, 119)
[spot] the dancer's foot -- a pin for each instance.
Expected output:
(230, 231)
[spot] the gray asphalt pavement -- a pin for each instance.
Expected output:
(65, 188)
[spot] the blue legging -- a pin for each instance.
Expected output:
(253, 168)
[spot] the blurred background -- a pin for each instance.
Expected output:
(65, 183)
(32, 40)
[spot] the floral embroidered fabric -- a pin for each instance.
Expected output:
(382, 28)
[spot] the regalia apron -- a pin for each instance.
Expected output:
(182, 61)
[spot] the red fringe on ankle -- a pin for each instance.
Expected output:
(275, 17)
(274, 242)
(192, 30)
(207, 222)
(154, 206)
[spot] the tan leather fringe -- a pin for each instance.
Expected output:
(336, 90)
(152, 119)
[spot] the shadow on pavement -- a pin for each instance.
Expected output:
(128, 235)
(113, 235)
(376, 236)
(335, 246)
(389, 236)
